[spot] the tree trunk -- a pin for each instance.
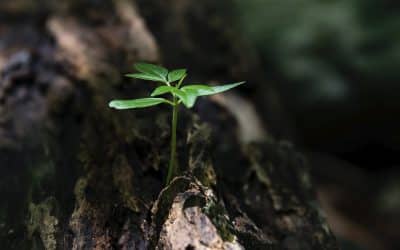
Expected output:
(77, 175)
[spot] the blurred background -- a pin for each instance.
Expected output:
(335, 65)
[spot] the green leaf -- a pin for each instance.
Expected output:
(169, 89)
(136, 103)
(197, 88)
(153, 70)
(223, 88)
(176, 75)
(183, 97)
(194, 91)
(186, 99)
(191, 96)
(214, 89)
(145, 77)
(162, 90)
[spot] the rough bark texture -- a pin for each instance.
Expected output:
(77, 175)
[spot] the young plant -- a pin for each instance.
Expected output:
(180, 93)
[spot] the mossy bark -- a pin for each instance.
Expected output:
(77, 175)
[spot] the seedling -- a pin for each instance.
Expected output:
(172, 84)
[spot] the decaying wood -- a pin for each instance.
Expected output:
(77, 175)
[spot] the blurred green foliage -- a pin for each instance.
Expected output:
(327, 51)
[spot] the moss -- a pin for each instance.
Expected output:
(206, 174)
(217, 214)
(123, 180)
(200, 163)
(43, 222)
(79, 189)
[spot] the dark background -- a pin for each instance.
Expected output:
(336, 65)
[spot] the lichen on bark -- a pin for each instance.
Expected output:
(43, 222)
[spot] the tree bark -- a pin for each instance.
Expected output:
(77, 175)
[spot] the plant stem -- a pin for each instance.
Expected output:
(171, 167)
